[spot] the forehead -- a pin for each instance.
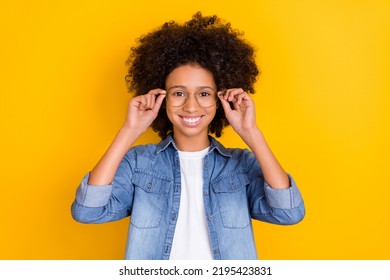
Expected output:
(190, 76)
(176, 88)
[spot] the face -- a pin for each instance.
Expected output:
(190, 120)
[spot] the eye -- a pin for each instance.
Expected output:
(179, 94)
(204, 94)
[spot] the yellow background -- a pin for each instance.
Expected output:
(322, 103)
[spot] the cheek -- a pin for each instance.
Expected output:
(170, 113)
(212, 113)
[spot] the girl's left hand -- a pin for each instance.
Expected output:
(242, 117)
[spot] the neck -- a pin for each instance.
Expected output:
(191, 143)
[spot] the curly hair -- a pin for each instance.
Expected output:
(207, 41)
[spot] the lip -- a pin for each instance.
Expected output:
(191, 121)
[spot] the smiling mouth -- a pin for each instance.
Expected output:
(191, 121)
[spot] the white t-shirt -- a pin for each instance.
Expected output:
(191, 240)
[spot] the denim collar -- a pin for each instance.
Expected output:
(214, 144)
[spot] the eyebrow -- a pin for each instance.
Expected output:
(183, 87)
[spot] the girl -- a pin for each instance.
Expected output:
(188, 196)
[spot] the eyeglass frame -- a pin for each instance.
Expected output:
(187, 93)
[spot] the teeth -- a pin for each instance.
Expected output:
(191, 120)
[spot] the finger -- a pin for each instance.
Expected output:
(225, 104)
(232, 93)
(142, 103)
(152, 101)
(151, 97)
(158, 103)
(225, 93)
(157, 91)
(240, 97)
(236, 104)
(221, 93)
(246, 99)
(228, 95)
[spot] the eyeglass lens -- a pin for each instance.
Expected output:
(204, 97)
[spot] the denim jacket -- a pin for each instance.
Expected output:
(147, 187)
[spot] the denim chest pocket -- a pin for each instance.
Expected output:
(230, 190)
(150, 199)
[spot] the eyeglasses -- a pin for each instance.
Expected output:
(177, 96)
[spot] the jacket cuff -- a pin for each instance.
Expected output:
(92, 196)
(283, 199)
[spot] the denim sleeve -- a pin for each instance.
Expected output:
(100, 204)
(284, 207)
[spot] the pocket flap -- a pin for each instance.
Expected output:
(150, 182)
(232, 182)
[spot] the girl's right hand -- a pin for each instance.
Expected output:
(143, 109)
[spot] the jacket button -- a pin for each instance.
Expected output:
(149, 186)
(210, 218)
(206, 192)
(206, 165)
(233, 186)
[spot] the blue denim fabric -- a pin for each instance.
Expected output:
(147, 188)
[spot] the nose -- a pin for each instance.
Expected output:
(191, 104)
